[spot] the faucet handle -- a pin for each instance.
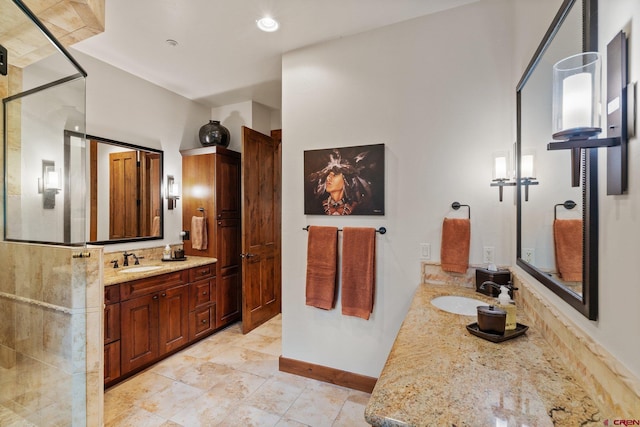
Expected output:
(137, 258)
(115, 263)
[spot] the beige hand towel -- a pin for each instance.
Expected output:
(454, 252)
(155, 228)
(199, 233)
(358, 271)
(322, 259)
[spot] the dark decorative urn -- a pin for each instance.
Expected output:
(213, 133)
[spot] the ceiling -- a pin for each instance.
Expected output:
(221, 56)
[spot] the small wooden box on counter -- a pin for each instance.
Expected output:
(501, 277)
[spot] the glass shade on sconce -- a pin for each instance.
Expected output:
(577, 97)
(502, 172)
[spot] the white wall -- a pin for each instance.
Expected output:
(123, 107)
(248, 113)
(439, 92)
(619, 293)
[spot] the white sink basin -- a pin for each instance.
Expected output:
(458, 305)
(141, 269)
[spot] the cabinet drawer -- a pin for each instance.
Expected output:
(111, 294)
(202, 321)
(202, 272)
(202, 293)
(152, 284)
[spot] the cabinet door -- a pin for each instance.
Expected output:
(111, 361)
(174, 318)
(228, 185)
(228, 284)
(139, 332)
(111, 323)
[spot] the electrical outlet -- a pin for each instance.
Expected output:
(488, 255)
(529, 255)
(425, 250)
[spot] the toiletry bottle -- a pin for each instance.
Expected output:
(166, 254)
(508, 305)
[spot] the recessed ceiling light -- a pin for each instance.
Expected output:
(172, 42)
(268, 24)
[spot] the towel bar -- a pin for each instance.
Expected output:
(381, 230)
(569, 204)
(457, 205)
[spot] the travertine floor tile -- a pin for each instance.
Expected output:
(230, 379)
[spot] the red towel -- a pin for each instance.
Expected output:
(358, 271)
(454, 251)
(567, 236)
(322, 258)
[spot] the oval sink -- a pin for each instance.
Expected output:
(458, 305)
(141, 269)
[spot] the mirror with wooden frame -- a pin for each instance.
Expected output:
(124, 190)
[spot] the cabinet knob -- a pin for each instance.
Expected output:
(164, 294)
(204, 321)
(155, 297)
(219, 216)
(204, 293)
(219, 222)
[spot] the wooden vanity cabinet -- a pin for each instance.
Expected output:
(211, 180)
(147, 319)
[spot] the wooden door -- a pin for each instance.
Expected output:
(261, 200)
(123, 195)
(174, 318)
(139, 332)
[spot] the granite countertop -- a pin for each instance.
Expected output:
(438, 374)
(113, 276)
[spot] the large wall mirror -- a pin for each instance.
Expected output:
(124, 190)
(557, 226)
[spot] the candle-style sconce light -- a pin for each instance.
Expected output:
(173, 192)
(502, 172)
(527, 171)
(49, 184)
(576, 110)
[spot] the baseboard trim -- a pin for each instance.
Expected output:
(328, 375)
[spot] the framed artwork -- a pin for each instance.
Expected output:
(344, 181)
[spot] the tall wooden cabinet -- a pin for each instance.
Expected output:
(211, 188)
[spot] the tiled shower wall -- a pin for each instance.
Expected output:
(51, 308)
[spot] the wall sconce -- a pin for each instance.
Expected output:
(577, 109)
(527, 171)
(49, 184)
(173, 192)
(501, 172)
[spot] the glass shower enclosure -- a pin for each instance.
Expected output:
(50, 296)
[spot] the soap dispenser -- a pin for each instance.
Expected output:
(507, 304)
(166, 254)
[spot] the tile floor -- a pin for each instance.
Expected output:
(230, 379)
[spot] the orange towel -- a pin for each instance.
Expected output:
(322, 259)
(199, 233)
(155, 228)
(358, 271)
(567, 236)
(454, 251)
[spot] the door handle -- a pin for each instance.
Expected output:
(247, 255)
